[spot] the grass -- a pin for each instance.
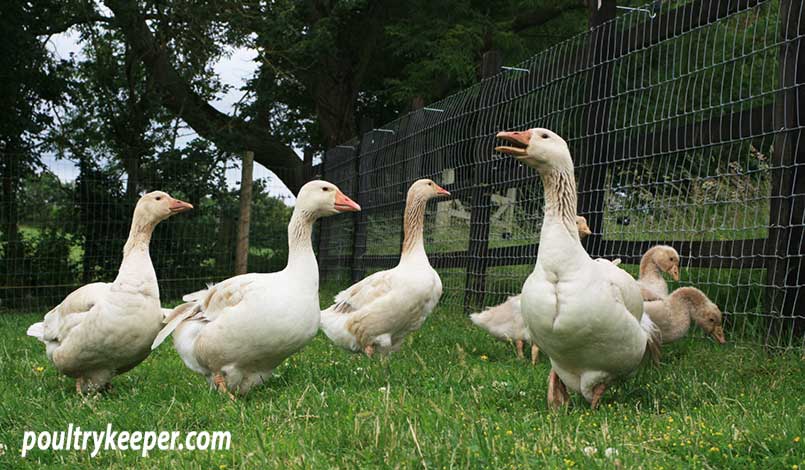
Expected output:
(453, 398)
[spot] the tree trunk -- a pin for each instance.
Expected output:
(242, 250)
(229, 133)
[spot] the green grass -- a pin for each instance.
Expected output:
(452, 398)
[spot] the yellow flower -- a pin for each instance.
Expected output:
(794, 467)
(670, 419)
(484, 357)
(714, 449)
(39, 368)
(222, 466)
(796, 439)
(509, 432)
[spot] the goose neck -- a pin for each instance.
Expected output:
(561, 198)
(413, 226)
(300, 246)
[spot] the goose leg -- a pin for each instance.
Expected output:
(220, 383)
(369, 350)
(598, 392)
(557, 393)
(519, 344)
(534, 353)
(79, 386)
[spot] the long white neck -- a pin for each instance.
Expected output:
(301, 258)
(136, 271)
(560, 248)
(413, 228)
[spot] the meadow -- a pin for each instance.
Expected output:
(452, 398)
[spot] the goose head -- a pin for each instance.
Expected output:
(705, 313)
(538, 148)
(322, 198)
(426, 189)
(666, 258)
(584, 229)
(156, 206)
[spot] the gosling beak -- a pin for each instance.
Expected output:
(675, 273)
(718, 335)
(520, 141)
(441, 191)
(345, 204)
(179, 206)
(585, 231)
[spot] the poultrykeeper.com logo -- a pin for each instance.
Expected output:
(76, 439)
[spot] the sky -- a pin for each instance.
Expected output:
(233, 69)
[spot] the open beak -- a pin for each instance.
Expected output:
(520, 141)
(441, 191)
(675, 273)
(718, 335)
(180, 206)
(345, 204)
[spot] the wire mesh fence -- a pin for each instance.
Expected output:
(686, 129)
(64, 225)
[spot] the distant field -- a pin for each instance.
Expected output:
(453, 398)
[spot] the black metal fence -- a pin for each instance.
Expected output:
(686, 129)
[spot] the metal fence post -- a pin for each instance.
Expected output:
(478, 250)
(591, 178)
(785, 260)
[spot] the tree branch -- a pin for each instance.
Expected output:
(532, 19)
(228, 133)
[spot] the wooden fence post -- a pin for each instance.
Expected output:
(786, 265)
(478, 250)
(242, 249)
(591, 179)
(359, 219)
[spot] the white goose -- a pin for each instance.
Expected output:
(586, 315)
(379, 311)
(505, 321)
(105, 329)
(237, 331)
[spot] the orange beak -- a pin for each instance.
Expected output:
(718, 335)
(345, 204)
(180, 206)
(675, 273)
(441, 191)
(521, 139)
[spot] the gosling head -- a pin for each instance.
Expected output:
(321, 199)
(538, 148)
(584, 229)
(666, 258)
(706, 314)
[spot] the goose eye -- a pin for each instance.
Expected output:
(159, 198)
(544, 136)
(325, 189)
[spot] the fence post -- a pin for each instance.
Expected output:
(478, 249)
(359, 218)
(591, 180)
(242, 247)
(786, 265)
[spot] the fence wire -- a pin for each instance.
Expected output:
(65, 225)
(685, 129)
